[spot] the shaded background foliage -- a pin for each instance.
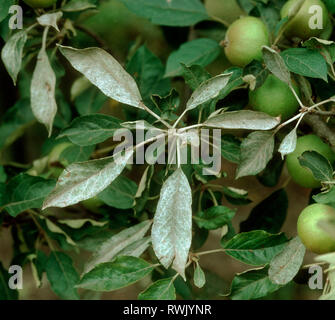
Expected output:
(168, 60)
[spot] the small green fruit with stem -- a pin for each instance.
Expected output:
(304, 24)
(310, 230)
(226, 10)
(327, 32)
(300, 174)
(275, 98)
(244, 40)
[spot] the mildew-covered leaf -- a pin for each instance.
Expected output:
(42, 91)
(84, 180)
(106, 73)
(172, 227)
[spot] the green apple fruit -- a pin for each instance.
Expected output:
(300, 174)
(327, 32)
(227, 10)
(303, 25)
(119, 28)
(311, 233)
(275, 98)
(40, 3)
(244, 40)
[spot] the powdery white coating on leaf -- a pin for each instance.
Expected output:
(113, 246)
(42, 91)
(50, 19)
(286, 264)
(289, 143)
(208, 90)
(11, 54)
(172, 228)
(243, 119)
(199, 277)
(106, 73)
(256, 152)
(137, 248)
(276, 64)
(82, 181)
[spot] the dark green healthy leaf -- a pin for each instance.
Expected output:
(269, 14)
(230, 148)
(318, 164)
(76, 154)
(280, 25)
(214, 217)
(246, 5)
(256, 69)
(255, 247)
(326, 49)
(62, 275)
(64, 112)
(168, 103)
(26, 192)
(252, 284)
(269, 215)
(14, 122)
(200, 51)
(2, 194)
(160, 290)
(330, 5)
(194, 75)
(235, 81)
(306, 62)
(285, 265)
(3, 175)
(5, 292)
(91, 129)
(90, 101)
(109, 276)
(5, 5)
(200, 235)
(169, 13)
(120, 194)
(148, 71)
(271, 175)
(256, 152)
(40, 261)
